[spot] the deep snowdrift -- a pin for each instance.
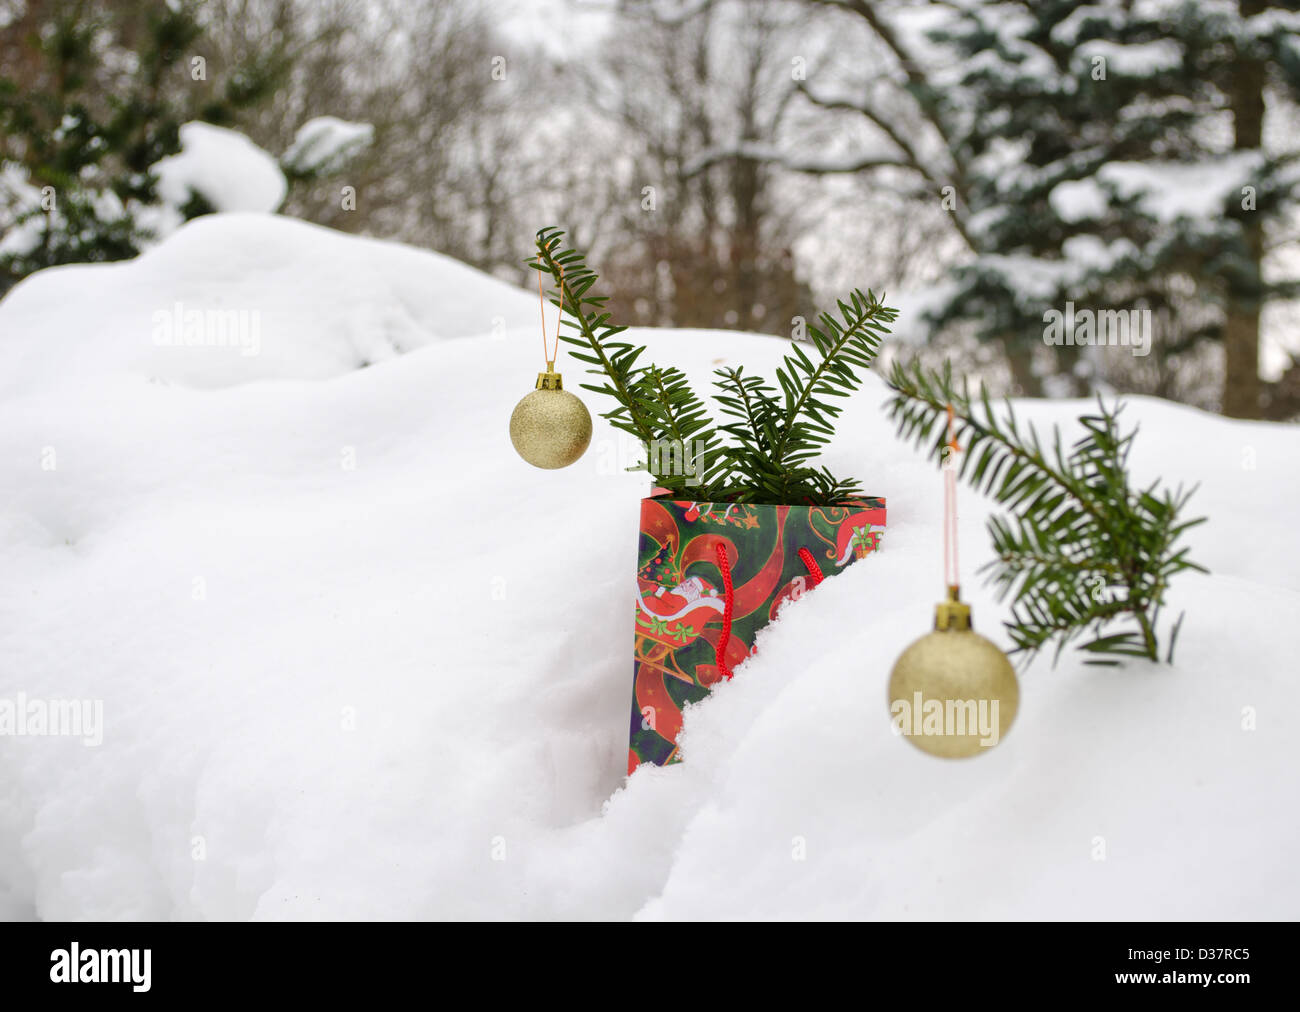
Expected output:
(356, 659)
(314, 302)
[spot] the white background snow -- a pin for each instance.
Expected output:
(359, 660)
(224, 167)
(326, 144)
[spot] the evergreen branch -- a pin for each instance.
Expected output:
(774, 435)
(806, 425)
(1075, 519)
(864, 320)
(681, 415)
(616, 359)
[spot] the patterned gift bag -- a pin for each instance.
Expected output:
(709, 576)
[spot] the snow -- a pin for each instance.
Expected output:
(1167, 191)
(27, 211)
(19, 199)
(1067, 30)
(322, 304)
(1173, 190)
(912, 25)
(1078, 200)
(1091, 252)
(1017, 60)
(1004, 158)
(1272, 21)
(1156, 10)
(1038, 282)
(224, 167)
(1136, 59)
(326, 144)
(356, 659)
(913, 305)
(1034, 280)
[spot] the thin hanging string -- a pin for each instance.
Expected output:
(950, 568)
(541, 295)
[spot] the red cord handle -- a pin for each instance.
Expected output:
(814, 570)
(720, 553)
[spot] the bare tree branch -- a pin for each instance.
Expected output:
(755, 152)
(911, 158)
(655, 12)
(916, 78)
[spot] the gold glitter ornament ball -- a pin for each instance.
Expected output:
(953, 693)
(550, 427)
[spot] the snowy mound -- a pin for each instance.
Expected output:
(233, 298)
(223, 167)
(355, 659)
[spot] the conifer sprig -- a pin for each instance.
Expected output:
(1080, 547)
(774, 432)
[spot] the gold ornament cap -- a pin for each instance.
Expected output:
(952, 614)
(550, 379)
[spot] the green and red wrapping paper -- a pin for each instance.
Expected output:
(709, 576)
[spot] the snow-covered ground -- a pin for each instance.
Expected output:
(356, 659)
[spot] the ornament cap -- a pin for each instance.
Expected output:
(952, 614)
(550, 379)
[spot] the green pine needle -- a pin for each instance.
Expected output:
(1081, 547)
(765, 450)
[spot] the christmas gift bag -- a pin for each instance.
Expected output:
(709, 576)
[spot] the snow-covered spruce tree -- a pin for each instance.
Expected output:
(91, 96)
(1115, 156)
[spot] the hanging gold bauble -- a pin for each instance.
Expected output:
(953, 693)
(550, 427)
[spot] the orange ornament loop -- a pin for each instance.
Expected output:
(541, 295)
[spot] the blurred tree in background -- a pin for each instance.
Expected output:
(731, 162)
(1115, 156)
(711, 246)
(92, 94)
(422, 75)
